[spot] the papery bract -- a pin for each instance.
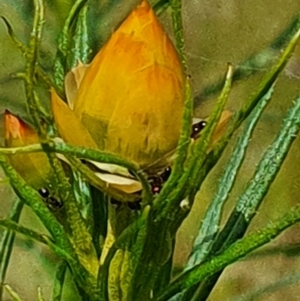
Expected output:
(69, 126)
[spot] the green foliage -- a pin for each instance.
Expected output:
(138, 261)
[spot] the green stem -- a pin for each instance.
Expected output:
(188, 183)
(84, 153)
(13, 226)
(81, 237)
(32, 54)
(32, 198)
(91, 154)
(25, 50)
(181, 150)
(80, 152)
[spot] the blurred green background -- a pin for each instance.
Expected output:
(216, 32)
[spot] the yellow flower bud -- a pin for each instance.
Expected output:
(34, 168)
(131, 97)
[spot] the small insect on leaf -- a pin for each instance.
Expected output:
(197, 127)
(52, 202)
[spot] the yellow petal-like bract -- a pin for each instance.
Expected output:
(131, 96)
(69, 127)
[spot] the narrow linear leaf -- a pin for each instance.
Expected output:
(167, 216)
(184, 139)
(265, 174)
(161, 6)
(198, 154)
(33, 103)
(231, 254)
(83, 279)
(263, 88)
(64, 46)
(133, 272)
(165, 274)
(182, 148)
(80, 51)
(211, 222)
(270, 164)
(81, 238)
(201, 146)
(176, 6)
(59, 281)
(7, 241)
(33, 200)
(121, 241)
(15, 227)
(258, 187)
(66, 35)
(267, 82)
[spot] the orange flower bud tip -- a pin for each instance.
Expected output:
(14, 127)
